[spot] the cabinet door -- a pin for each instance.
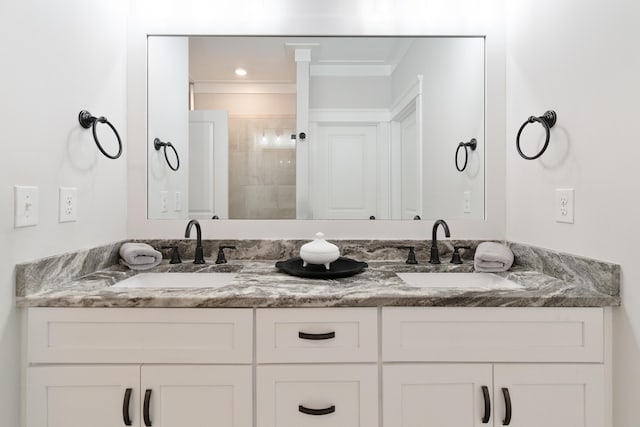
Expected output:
(549, 395)
(81, 396)
(197, 395)
(317, 396)
(418, 395)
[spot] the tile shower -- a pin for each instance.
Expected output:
(262, 165)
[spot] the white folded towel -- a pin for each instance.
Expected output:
(139, 256)
(492, 257)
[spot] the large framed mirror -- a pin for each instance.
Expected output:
(316, 127)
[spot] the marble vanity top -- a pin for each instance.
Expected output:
(259, 284)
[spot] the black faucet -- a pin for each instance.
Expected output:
(435, 255)
(199, 256)
(221, 258)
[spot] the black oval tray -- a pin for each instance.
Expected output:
(342, 267)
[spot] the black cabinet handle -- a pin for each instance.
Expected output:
(145, 408)
(316, 337)
(326, 411)
(125, 407)
(507, 402)
(487, 404)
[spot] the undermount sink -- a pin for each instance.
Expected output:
(458, 280)
(177, 280)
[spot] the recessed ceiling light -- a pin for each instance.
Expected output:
(241, 72)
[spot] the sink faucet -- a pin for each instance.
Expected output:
(435, 255)
(199, 256)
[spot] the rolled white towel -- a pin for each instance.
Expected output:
(139, 256)
(492, 257)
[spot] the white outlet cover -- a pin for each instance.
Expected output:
(564, 205)
(68, 204)
(164, 201)
(26, 206)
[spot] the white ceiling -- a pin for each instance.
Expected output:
(271, 59)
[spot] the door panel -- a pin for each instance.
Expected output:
(551, 395)
(198, 395)
(418, 395)
(81, 396)
(209, 164)
(344, 181)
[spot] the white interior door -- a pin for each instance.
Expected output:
(198, 395)
(209, 164)
(344, 171)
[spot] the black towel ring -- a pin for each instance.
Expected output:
(159, 144)
(473, 144)
(88, 121)
(547, 120)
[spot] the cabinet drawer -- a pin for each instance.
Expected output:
(460, 334)
(340, 395)
(316, 335)
(137, 335)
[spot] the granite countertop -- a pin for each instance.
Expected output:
(260, 284)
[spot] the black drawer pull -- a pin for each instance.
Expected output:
(125, 407)
(487, 404)
(326, 411)
(145, 408)
(316, 337)
(507, 403)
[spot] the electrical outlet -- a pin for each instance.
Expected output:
(467, 202)
(564, 205)
(164, 201)
(177, 201)
(26, 206)
(68, 204)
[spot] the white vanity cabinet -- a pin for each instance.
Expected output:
(302, 377)
(504, 375)
(314, 367)
(139, 367)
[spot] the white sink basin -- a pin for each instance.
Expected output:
(177, 280)
(458, 280)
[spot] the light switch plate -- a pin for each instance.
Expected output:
(68, 204)
(26, 206)
(564, 205)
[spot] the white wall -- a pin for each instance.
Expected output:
(168, 121)
(58, 58)
(337, 92)
(248, 104)
(582, 60)
(329, 17)
(453, 105)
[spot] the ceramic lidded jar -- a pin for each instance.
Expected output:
(319, 251)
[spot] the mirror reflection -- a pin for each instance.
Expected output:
(316, 127)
